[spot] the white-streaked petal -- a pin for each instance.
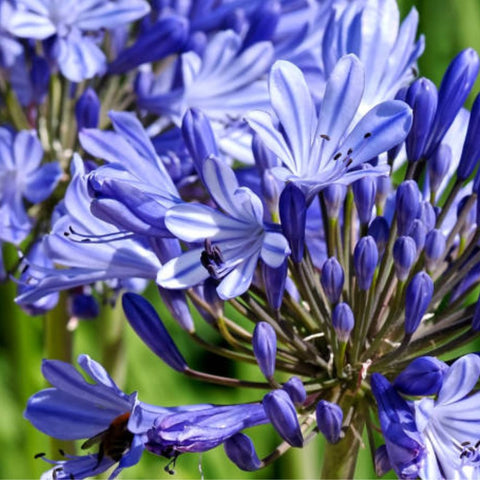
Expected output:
(238, 280)
(274, 249)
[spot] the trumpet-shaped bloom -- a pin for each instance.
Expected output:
(450, 424)
(320, 150)
(67, 23)
(22, 176)
(233, 241)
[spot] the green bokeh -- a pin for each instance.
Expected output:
(449, 26)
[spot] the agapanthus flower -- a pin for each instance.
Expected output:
(66, 24)
(22, 177)
(320, 150)
(232, 241)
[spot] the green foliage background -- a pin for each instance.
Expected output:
(449, 26)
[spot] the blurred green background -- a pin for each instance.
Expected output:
(449, 26)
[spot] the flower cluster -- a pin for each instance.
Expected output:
(281, 172)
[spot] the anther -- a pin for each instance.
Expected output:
(350, 151)
(367, 135)
(325, 136)
(337, 156)
(39, 455)
(61, 452)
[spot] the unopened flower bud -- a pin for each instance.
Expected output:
(333, 197)
(428, 215)
(147, 324)
(404, 255)
(274, 280)
(329, 420)
(434, 249)
(365, 259)
(438, 165)
(264, 343)
(240, 450)
(407, 205)
(422, 96)
(419, 293)
(382, 462)
(343, 321)
(380, 231)
(423, 376)
(87, 110)
(283, 416)
(295, 389)
(418, 232)
(332, 278)
(293, 214)
(364, 191)
(471, 147)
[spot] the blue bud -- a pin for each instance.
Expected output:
(382, 462)
(404, 255)
(270, 190)
(428, 215)
(332, 278)
(83, 305)
(147, 324)
(364, 192)
(263, 23)
(264, 343)
(476, 317)
(380, 231)
(343, 321)
(40, 77)
(438, 165)
(407, 205)
(240, 450)
(384, 187)
(394, 151)
(283, 416)
(87, 109)
(334, 196)
(199, 138)
(470, 219)
(471, 147)
(365, 259)
(454, 89)
(423, 376)
(274, 280)
(422, 96)
(419, 293)
(293, 215)
(295, 389)
(434, 248)
(418, 232)
(329, 420)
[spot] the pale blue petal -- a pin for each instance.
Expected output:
(27, 151)
(238, 280)
(274, 249)
(184, 271)
(31, 25)
(41, 183)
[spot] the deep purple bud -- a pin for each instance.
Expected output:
(404, 255)
(334, 196)
(147, 324)
(329, 420)
(364, 191)
(428, 215)
(332, 278)
(470, 219)
(274, 280)
(343, 321)
(196, 42)
(438, 165)
(365, 259)
(40, 76)
(393, 152)
(419, 293)
(295, 389)
(263, 23)
(380, 231)
(382, 462)
(454, 89)
(87, 109)
(418, 232)
(283, 416)
(434, 248)
(293, 215)
(384, 187)
(83, 305)
(422, 96)
(407, 205)
(476, 317)
(241, 452)
(423, 376)
(471, 147)
(264, 343)
(199, 138)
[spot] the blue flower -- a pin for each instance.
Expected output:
(450, 423)
(76, 409)
(84, 243)
(10, 48)
(318, 151)
(66, 24)
(22, 176)
(232, 241)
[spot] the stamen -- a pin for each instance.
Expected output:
(325, 137)
(212, 259)
(172, 462)
(367, 135)
(39, 455)
(91, 238)
(337, 156)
